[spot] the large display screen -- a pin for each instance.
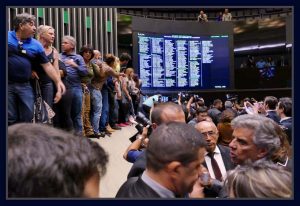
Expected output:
(183, 62)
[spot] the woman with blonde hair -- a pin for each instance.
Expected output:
(46, 35)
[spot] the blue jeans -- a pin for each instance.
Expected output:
(20, 103)
(96, 102)
(76, 106)
(105, 109)
(48, 93)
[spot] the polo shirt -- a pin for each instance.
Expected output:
(22, 61)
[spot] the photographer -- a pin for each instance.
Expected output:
(161, 113)
(136, 148)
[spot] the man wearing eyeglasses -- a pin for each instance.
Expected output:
(23, 53)
(217, 158)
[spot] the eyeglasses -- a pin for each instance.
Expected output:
(209, 133)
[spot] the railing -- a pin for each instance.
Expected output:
(236, 15)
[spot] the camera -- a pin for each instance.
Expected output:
(231, 97)
(142, 121)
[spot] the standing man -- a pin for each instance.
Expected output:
(215, 111)
(226, 16)
(124, 59)
(217, 158)
(76, 69)
(174, 156)
(23, 50)
(284, 111)
(269, 108)
(202, 17)
(257, 137)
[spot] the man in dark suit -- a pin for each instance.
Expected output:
(284, 111)
(161, 113)
(174, 156)
(270, 104)
(215, 111)
(217, 157)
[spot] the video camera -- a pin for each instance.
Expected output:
(185, 97)
(142, 121)
(231, 97)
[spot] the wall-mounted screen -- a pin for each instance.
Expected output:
(182, 56)
(183, 61)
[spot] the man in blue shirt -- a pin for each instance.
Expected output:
(76, 69)
(23, 53)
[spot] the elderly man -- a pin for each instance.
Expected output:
(174, 156)
(23, 53)
(257, 137)
(217, 157)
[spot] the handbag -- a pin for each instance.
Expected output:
(42, 112)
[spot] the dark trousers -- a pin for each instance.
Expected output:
(62, 109)
(111, 101)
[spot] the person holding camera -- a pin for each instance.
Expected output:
(174, 156)
(161, 113)
(137, 147)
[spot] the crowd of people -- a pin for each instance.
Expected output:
(187, 149)
(94, 97)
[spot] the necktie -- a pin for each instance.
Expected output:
(215, 167)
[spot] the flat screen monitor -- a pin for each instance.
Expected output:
(183, 62)
(174, 56)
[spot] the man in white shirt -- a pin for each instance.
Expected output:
(217, 157)
(226, 16)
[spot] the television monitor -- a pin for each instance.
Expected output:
(182, 59)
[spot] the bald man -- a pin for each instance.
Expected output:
(216, 154)
(161, 113)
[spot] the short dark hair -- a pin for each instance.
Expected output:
(158, 110)
(285, 103)
(271, 101)
(86, 48)
(22, 19)
(175, 141)
(217, 101)
(227, 116)
(201, 110)
(125, 57)
(47, 162)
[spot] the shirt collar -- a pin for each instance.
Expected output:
(161, 190)
(284, 118)
(216, 151)
(14, 34)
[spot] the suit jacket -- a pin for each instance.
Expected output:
(287, 127)
(218, 191)
(135, 187)
(273, 115)
(225, 153)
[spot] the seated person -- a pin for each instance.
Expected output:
(47, 162)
